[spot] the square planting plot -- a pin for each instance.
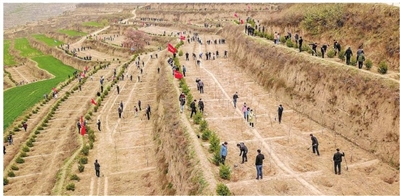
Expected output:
(133, 159)
(130, 139)
(266, 131)
(19, 186)
(30, 167)
(230, 130)
(139, 183)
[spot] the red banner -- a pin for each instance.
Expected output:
(83, 128)
(171, 48)
(235, 15)
(182, 37)
(93, 102)
(178, 75)
(241, 21)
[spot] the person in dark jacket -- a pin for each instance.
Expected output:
(348, 53)
(259, 163)
(148, 111)
(324, 47)
(97, 168)
(300, 43)
(337, 159)
(193, 107)
(280, 111)
(361, 59)
(314, 143)
(243, 151)
(314, 48)
(235, 97)
(201, 106)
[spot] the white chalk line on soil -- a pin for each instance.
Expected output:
(91, 186)
(106, 186)
(27, 175)
(272, 153)
(134, 171)
(364, 163)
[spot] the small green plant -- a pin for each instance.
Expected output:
(330, 53)
(5, 181)
(214, 143)
(37, 132)
(25, 149)
(87, 117)
(203, 125)
(71, 187)
(75, 177)
(23, 154)
(197, 117)
(341, 55)
(10, 174)
(206, 135)
(180, 53)
(353, 61)
(14, 167)
(282, 40)
(289, 43)
(91, 144)
(368, 64)
(29, 144)
(85, 150)
(83, 160)
(383, 68)
(225, 172)
(223, 190)
(81, 168)
(216, 158)
(16, 129)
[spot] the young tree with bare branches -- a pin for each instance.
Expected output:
(135, 39)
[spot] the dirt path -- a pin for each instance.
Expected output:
(289, 168)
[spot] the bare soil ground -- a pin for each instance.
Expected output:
(126, 150)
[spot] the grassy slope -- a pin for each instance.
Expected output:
(22, 44)
(72, 33)
(92, 24)
(49, 41)
(18, 99)
(8, 58)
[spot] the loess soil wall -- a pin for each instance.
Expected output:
(61, 55)
(108, 49)
(360, 106)
(173, 150)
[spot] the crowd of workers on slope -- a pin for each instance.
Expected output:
(299, 42)
(249, 116)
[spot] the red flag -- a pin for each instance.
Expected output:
(83, 129)
(178, 75)
(241, 21)
(83, 75)
(182, 37)
(235, 15)
(94, 102)
(86, 68)
(54, 90)
(248, 6)
(171, 48)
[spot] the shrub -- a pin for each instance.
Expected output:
(197, 118)
(214, 143)
(40, 128)
(330, 53)
(92, 136)
(71, 187)
(11, 174)
(37, 132)
(282, 40)
(14, 167)
(25, 149)
(87, 117)
(223, 190)
(91, 144)
(225, 172)
(180, 53)
(269, 36)
(5, 181)
(216, 159)
(16, 129)
(23, 154)
(206, 134)
(341, 55)
(29, 143)
(368, 64)
(20, 160)
(203, 125)
(353, 61)
(75, 177)
(83, 160)
(289, 43)
(81, 168)
(85, 150)
(189, 99)
(383, 68)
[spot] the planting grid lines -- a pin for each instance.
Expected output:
(67, 140)
(126, 144)
(293, 130)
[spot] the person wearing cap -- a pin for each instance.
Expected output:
(223, 152)
(314, 143)
(337, 159)
(259, 162)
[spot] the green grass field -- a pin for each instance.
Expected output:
(49, 41)
(8, 58)
(92, 24)
(22, 44)
(72, 33)
(18, 99)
